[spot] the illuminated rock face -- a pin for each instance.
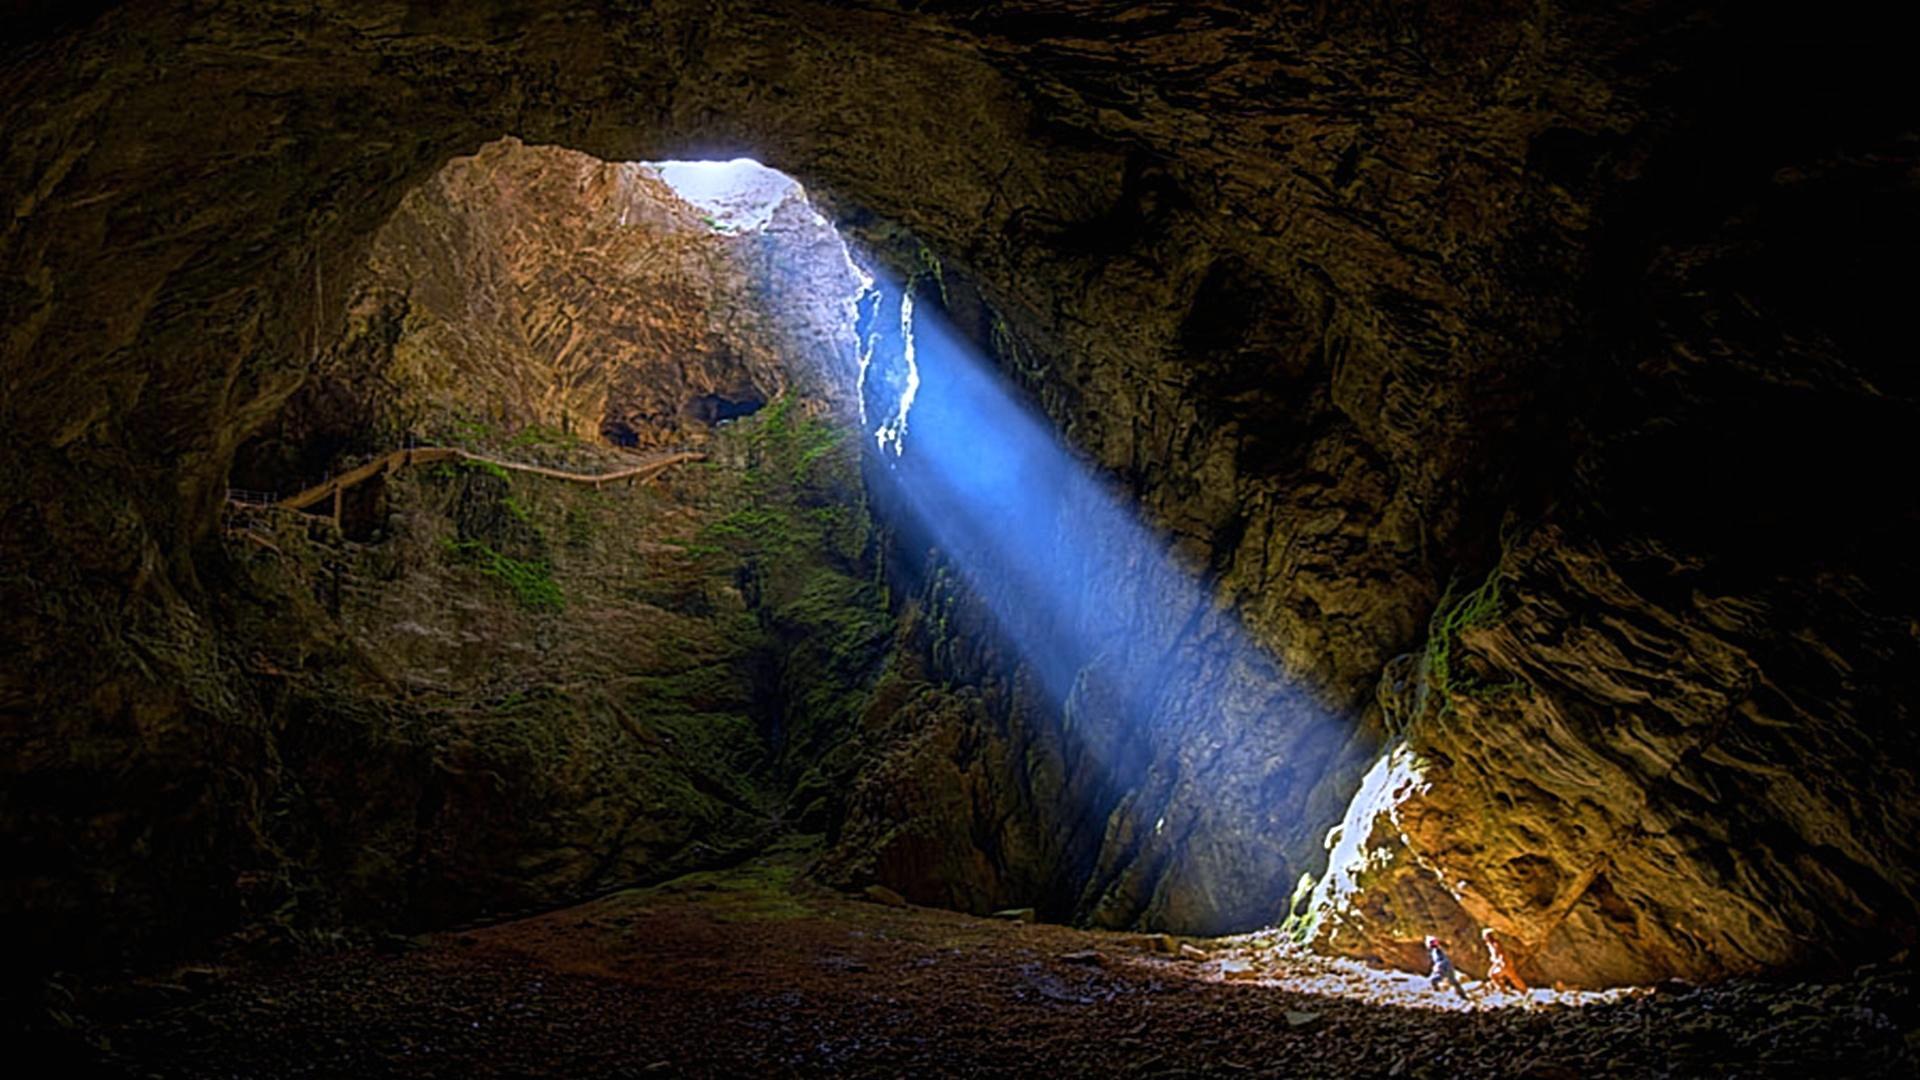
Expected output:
(539, 287)
(1623, 790)
(1353, 304)
(573, 293)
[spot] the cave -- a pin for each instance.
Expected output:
(597, 539)
(717, 409)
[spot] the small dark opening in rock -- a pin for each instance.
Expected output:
(719, 408)
(619, 433)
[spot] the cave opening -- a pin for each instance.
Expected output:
(531, 297)
(813, 448)
(581, 473)
(717, 409)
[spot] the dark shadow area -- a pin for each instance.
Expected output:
(715, 409)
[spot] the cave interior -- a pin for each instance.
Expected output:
(585, 538)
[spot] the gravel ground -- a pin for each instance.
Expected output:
(735, 975)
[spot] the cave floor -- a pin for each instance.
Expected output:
(735, 974)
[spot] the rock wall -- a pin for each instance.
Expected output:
(499, 690)
(506, 691)
(530, 289)
(1331, 294)
(485, 690)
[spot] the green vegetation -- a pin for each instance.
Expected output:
(1481, 606)
(1007, 348)
(486, 467)
(540, 435)
(930, 268)
(453, 470)
(1000, 336)
(471, 432)
(760, 889)
(671, 742)
(484, 435)
(530, 580)
(578, 524)
(790, 447)
(515, 526)
(749, 527)
(1303, 919)
(795, 489)
(942, 595)
(796, 538)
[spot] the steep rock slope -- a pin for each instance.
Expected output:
(500, 689)
(474, 689)
(530, 288)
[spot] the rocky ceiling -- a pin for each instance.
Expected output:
(1519, 373)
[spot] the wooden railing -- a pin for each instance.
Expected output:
(426, 455)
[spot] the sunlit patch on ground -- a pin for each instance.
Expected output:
(1271, 959)
(751, 971)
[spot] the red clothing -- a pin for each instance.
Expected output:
(1500, 969)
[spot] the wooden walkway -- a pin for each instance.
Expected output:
(427, 455)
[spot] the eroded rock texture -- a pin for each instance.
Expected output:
(1353, 303)
(479, 689)
(539, 288)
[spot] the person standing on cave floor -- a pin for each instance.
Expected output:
(1443, 969)
(1500, 971)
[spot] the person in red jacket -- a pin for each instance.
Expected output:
(1499, 965)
